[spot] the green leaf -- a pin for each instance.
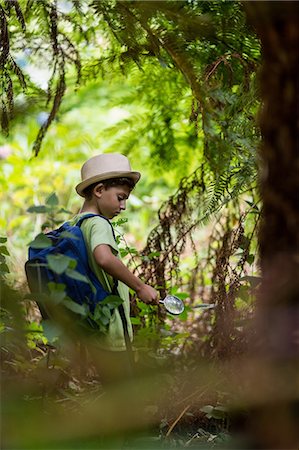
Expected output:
(152, 255)
(56, 286)
(52, 200)
(67, 234)
(56, 296)
(75, 307)
(119, 222)
(97, 312)
(245, 242)
(3, 250)
(106, 312)
(51, 331)
(128, 251)
(207, 409)
(38, 209)
(33, 326)
(112, 300)
(4, 268)
(104, 320)
(3, 240)
(73, 264)
(41, 241)
(250, 259)
(58, 263)
(76, 275)
(143, 307)
(135, 321)
(217, 412)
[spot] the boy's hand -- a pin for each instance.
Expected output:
(147, 294)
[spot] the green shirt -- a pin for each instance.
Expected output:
(96, 230)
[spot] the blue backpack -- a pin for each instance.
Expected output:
(63, 260)
(72, 271)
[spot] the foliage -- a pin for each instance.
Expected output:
(202, 40)
(166, 124)
(172, 85)
(3, 253)
(212, 47)
(217, 267)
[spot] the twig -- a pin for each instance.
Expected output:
(177, 420)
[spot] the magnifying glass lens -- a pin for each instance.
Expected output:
(173, 304)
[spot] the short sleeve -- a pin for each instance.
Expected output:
(98, 230)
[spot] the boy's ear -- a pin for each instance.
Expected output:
(98, 189)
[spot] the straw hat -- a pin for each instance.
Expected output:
(103, 167)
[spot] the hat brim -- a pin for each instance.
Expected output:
(135, 176)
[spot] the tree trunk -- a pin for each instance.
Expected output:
(277, 321)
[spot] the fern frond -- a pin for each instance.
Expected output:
(198, 199)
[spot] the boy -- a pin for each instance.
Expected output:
(107, 181)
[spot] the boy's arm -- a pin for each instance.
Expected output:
(114, 267)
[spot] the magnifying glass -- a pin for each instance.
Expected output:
(173, 304)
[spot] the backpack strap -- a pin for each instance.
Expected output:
(87, 216)
(126, 335)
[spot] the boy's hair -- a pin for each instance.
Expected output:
(110, 182)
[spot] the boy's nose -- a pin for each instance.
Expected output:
(123, 204)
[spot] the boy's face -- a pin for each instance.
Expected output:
(112, 200)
